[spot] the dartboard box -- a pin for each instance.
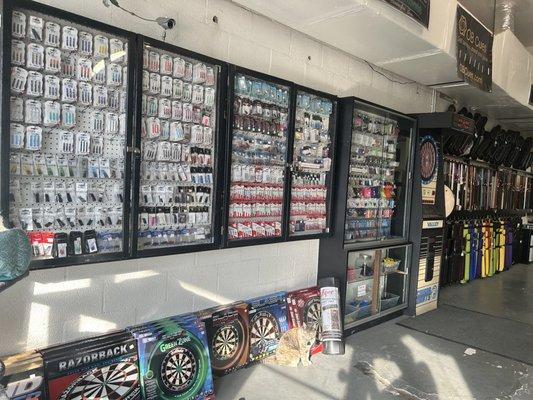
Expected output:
(106, 366)
(228, 337)
(304, 308)
(268, 320)
(23, 379)
(174, 359)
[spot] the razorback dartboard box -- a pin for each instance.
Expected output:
(23, 378)
(174, 360)
(99, 368)
(268, 320)
(303, 308)
(228, 337)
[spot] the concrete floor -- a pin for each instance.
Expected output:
(390, 361)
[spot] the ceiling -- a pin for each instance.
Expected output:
(524, 22)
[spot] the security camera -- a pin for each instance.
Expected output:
(166, 23)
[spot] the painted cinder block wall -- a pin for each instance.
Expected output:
(62, 304)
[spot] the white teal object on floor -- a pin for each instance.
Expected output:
(15, 253)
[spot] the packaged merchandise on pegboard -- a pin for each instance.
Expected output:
(178, 126)
(268, 321)
(67, 135)
(258, 157)
(311, 164)
(174, 359)
(95, 368)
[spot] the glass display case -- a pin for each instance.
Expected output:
(311, 172)
(380, 161)
(376, 283)
(178, 148)
(67, 102)
(258, 157)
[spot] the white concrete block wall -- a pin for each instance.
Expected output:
(62, 304)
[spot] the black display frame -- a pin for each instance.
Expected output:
(334, 126)
(220, 143)
(232, 72)
(8, 6)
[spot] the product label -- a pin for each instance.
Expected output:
(331, 319)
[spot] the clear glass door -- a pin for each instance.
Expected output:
(178, 142)
(258, 158)
(310, 186)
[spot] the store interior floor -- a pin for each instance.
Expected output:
(477, 345)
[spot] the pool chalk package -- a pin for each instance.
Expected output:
(23, 379)
(174, 359)
(228, 337)
(268, 321)
(97, 368)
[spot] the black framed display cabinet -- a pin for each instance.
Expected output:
(180, 119)
(67, 121)
(279, 160)
(375, 222)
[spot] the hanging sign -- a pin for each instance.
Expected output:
(474, 51)
(416, 9)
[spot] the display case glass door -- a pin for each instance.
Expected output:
(377, 281)
(378, 182)
(311, 164)
(178, 149)
(258, 154)
(68, 102)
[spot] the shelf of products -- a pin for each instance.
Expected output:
(376, 281)
(258, 158)
(68, 124)
(178, 157)
(311, 166)
(377, 181)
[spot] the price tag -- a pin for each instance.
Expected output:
(361, 290)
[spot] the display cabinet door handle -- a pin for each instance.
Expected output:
(134, 150)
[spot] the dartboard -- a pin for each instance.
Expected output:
(179, 369)
(112, 382)
(428, 159)
(263, 329)
(313, 313)
(225, 342)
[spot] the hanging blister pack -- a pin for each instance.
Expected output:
(146, 81)
(71, 220)
(188, 72)
(81, 193)
(69, 90)
(111, 123)
(34, 85)
(51, 87)
(209, 97)
(26, 165)
(85, 93)
(71, 190)
(113, 99)
(94, 168)
(86, 43)
(165, 130)
(165, 108)
(52, 34)
(105, 168)
(166, 64)
(166, 86)
(68, 115)
(100, 96)
(176, 152)
(153, 61)
(84, 69)
(97, 145)
(155, 83)
(52, 113)
(34, 138)
(187, 92)
(199, 73)
(39, 164)
(69, 38)
(19, 77)
(83, 141)
(32, 112)
(122, 124)
(153, 127)
(26, 219)
(149, 151)
(101, 46)
(197, 94)
(187, 112)
(97, 121)
(124, 76)
(177, 88)
(151, 106)
(18, 52)
(35, 28)
(99, 71)
(210, 76)
(177, 110)
(14, 164)
(116, 50)
(52, 58)
(16, 105)
(15, 192)
(164, 151)
(68, 65)
(176, 132)
(60, 192)
(18, 24)
(62, 166)
(38, 218)
(114, 74)
(51, 165)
